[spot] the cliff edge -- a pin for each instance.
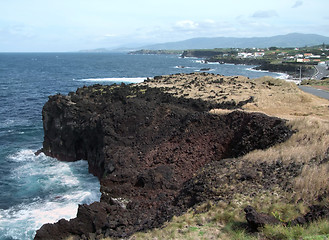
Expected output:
(155, 154)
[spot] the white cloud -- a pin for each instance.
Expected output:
(207, 26)
(187, 25)
(298, 4)
(265, 14)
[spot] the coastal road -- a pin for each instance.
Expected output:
(314, 91)
(321, 71)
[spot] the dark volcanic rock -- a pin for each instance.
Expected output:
(220, 180)
(145, 146)
(316, 212)
(256, 220)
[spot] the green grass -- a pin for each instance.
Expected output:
(316, 230)
(316, 82)
(226, 221)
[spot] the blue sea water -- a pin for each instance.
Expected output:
(38, 189)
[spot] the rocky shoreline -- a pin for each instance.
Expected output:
(291, 69)
(157, 154)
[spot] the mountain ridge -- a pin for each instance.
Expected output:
(288, 40)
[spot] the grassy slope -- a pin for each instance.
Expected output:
(323, 84)
(307, 114)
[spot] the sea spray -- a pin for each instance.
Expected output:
(49, 190)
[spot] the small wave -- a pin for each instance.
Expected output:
(284, 76)
(182, 67)
(255, 70)
(200, 61)
(21, 221)
(49, 190)
(124, 80)
(22, 155)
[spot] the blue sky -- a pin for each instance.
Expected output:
(72, 25)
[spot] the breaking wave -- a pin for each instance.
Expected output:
(48, 189)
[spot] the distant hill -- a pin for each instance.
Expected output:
(289, 40)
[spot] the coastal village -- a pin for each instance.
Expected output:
(309, 62)
(288, 56)
(315, 60)
(315, 54)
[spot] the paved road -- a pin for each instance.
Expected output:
(321, 71)
(316, 92)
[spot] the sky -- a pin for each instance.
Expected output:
(73, 25)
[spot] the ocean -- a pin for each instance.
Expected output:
(35, 190)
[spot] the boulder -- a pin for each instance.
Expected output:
(256, 220)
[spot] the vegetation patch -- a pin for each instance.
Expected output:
(227, 221)
(324, 82)
(319, 84)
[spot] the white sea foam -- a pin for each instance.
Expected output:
(200, 61)
(210, 70)
(182, 67)
(23, 155)
(124, 80)
(57, 187)
(255, 70)
(284, 76)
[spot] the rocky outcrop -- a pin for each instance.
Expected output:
(257, 220)
(221, 180)
(202, 53)
(145, 146)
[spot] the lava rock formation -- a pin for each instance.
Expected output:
(145, 146)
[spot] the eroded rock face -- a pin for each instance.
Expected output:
(145, 146)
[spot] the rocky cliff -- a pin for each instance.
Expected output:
(154, 154)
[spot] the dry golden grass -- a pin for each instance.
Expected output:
(308, 115)
(275, 97)
(309, 143)
(314, 181)
(286, 100)
(209, 87)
